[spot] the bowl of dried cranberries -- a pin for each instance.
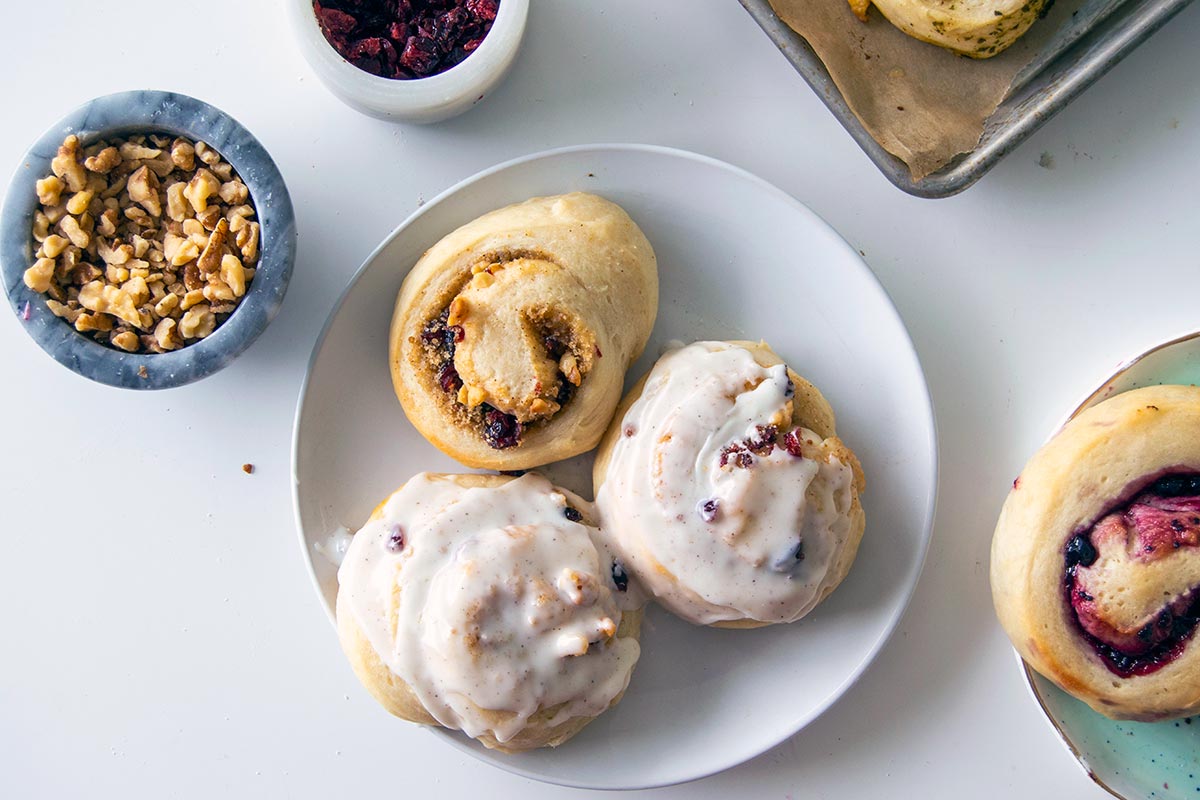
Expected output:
(410, 60)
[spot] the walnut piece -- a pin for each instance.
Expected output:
(146, 243)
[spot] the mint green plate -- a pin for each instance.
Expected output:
(1132, 760)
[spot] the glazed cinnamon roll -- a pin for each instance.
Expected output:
(512, 335)
(1096, 556)
(725, 489)
(484, 603)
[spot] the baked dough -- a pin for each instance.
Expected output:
(724, 488)
(975, 28)
(1096, 556)
(512, 335)
(483, 603)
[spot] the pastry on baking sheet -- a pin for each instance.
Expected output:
(725, 490)
(975, 28)
(511, 336)
(484, 603)
(1096, 556)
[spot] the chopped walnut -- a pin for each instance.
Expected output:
(146, 243)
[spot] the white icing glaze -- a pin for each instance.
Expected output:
(738, 562)
(496, 603)
(334, 546)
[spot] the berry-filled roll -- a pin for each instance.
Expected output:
(512, 335)
(1096, 556)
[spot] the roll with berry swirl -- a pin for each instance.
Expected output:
(1096, 556)
(725, 490)
(486, 604)
(512, 335)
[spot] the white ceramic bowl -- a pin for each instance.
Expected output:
(431, 99)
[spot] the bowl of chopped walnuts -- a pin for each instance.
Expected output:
(146, 240)
(409, 60)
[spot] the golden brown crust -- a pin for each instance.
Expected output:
(811, 410)
(395, 695)
(1077, 477)
(574, 269)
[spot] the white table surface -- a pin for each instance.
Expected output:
(160, 635)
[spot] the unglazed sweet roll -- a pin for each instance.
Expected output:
(725, 490)
(1096, 556)
(512, 335)
(485, 603)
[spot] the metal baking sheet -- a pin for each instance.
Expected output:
(1103, 32)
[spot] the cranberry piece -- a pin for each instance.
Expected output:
(472, 45)
(763, 441)
(708, 509)
(790, 390)
(620, 576)
(630, 431)
(554, 346)
(333, 21)
(395, 540)
(483, 10)
(375, 55)
(420, 55)
(448, 28)
(398, 32)
(572, 514)
(448, 378)
(791, 442)
(500, 430)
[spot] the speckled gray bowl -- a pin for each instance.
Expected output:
(124, 114)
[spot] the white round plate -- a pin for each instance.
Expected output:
(738, 259)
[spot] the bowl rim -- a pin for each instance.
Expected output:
(149, 111)
(416, 94)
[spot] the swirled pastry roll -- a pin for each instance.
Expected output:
(512, 335)
(484, 603)
(725, 489)
(1096, 556)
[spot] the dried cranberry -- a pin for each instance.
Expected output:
(449, 27)
(791, 443)
(375, 55)
(447, 32)
(737, 455)
(708, 509)
(500, 430)
(334, 21)
(484, 10)
(554, 346)
(420, 55)
(572, 514)
(395, 540)
(442, 336)
(398, 32)
(448, 378)
(764, 440)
